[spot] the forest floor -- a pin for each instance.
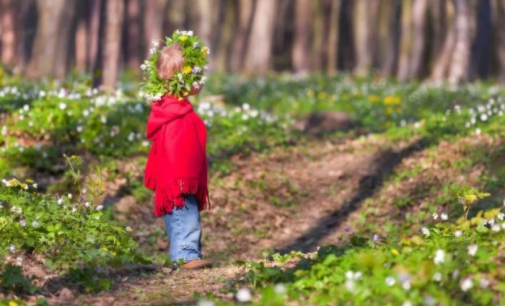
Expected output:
(288, 199)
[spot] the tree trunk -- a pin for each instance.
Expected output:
(500, 38)
(301, 46)
(283, 33)
(461, 55)
(245, 9)
(483, 42)
(405, 40)
(132, 23)
(333, 36)
(64, 50)
(95, 29)
(391, 35)
(419, 10)
(225, 39)
(8, 33)
(52, 33)
(443, 60)
(176, 19)
(317, 35)
(112, 45)
(259, 51)
(154, 16)
(361, 32)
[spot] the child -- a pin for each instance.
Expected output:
(177, 165)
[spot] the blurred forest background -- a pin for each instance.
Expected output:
(454, 40)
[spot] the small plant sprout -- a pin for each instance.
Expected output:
(469, 198)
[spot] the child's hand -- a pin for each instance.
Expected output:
(195, 91)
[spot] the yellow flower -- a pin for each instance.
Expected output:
(395, 252)
(105, 249)
(373, 99)
(186, 69)
(392, 100)
(205, 51)
(12, 303)
(183, 38)
(470, 198)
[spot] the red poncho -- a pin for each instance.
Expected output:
(177, 163)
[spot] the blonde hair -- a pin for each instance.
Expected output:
(170, 61)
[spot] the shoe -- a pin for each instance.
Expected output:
(197, 264)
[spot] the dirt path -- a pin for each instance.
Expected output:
(295, 198)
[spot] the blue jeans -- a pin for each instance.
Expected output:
(184, 231)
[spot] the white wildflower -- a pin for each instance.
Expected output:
(444, 216)
(87, 204)
(500, 216)
(439, 257)
(152, 50)
(4, 130)
(60, 201)
(205, 303)
(143, 67)
(407, 303)
(472, 249)
(63, 106)
(280, 288)
(490, 222)
(353, 275)
(406, 285)
(19, 260)
(69, 195)
(99, 207)
(478, 132)
(244, 295)
(484, 283)
(35, 224)
(196, 85)
(189, 33)
(390, 281)
(496, 228)
(435, 216)
(34, 185)
(437, 277)
(466, 284)
(458, 233)
(425, 231)
(350, 285)
(155, 43)
(128, 229)
(12, 248)
(455, 274)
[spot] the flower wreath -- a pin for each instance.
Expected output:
(192, 75)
